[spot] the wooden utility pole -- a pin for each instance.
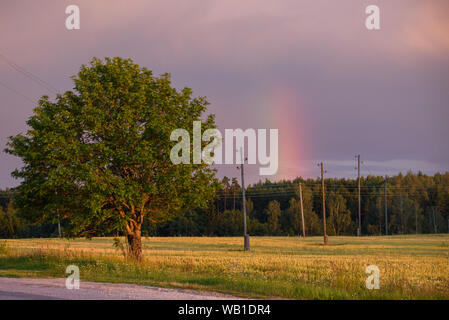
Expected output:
(245, 234)
(324, 205)
(302, 211)
(402, 214)
(434, 220)
(386, 207)
(359, 230)
(416, 218)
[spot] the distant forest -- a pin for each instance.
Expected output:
(416, 203)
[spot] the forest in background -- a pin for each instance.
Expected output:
(416, 203)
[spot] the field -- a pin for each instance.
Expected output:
(411, 267)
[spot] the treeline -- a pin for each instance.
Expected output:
(416, 203)
(14, 226)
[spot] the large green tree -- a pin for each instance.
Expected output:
(98, 157)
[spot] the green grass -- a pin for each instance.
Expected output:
(411, 267)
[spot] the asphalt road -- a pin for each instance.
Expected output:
(52, 289)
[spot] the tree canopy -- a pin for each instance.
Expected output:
(98, 157)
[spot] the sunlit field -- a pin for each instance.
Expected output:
(411, 267)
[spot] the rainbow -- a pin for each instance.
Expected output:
(285, 111)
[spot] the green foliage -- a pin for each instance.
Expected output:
(339, 217)
(273, 213)
(423, 206)
(11, 225)
(5, 198)
(118, 245)
(230, 222)
(249, 206)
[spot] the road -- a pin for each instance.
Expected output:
(52, 289)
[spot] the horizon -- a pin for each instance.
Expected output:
(316, 178)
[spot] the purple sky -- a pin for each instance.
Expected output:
(308, 68)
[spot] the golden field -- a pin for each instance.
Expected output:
(411, 267)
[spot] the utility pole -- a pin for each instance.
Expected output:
(359, 230)
(416, 218)
(402, 214)
(245, 235)
(434, 220)
(324, 205)
(302, 211)
(386, 207)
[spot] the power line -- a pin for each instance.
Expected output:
(293, 193)
(337, 188)
(366, 168)
(17, 92)
(28, 74)
(333, 185)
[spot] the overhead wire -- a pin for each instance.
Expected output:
(29, 74)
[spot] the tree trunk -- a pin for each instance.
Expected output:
(135, 245)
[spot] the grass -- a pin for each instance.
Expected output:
(411, 267)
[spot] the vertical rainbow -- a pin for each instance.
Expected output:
(284, 110)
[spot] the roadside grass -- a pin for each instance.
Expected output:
(411, 267)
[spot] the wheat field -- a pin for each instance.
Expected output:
(411, 267)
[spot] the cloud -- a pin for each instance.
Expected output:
(231, 33)
(426, 28)
(390, 167)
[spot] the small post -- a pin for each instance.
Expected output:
(386, 207)
(59, 227)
